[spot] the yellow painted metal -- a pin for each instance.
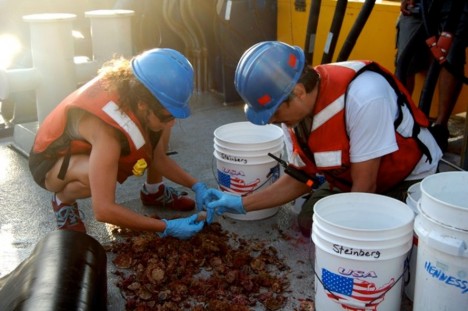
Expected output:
(376, 42)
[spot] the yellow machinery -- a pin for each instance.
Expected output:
(376, 41)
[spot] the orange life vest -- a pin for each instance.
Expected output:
(326, 149)
(50, 141)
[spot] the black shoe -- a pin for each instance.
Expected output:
(441, 135)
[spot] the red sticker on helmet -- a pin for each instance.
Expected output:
(265, 99)
(292, 62)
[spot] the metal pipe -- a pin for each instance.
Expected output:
(111, 33)
(200, 35)
(57, 72)
(167, 6)
(52, 54)
(85, 69)
(195, 44)
(18, 80)
(55, 59)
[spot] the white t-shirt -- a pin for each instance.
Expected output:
(370, 112)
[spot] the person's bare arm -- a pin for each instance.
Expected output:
(103, 168)
(364, 175)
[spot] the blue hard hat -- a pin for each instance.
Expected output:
(168, 75)
(265, 75)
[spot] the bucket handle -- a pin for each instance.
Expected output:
(363, 305)
(270, 176)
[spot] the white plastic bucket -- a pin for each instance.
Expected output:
(362, 241)
(242, 162)
(442, 229)
(414, 195)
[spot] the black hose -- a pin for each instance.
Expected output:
(355, 31)
(311, 31)
(334, 33)
(65, 271)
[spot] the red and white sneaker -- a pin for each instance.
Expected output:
(68, 216)
(167, 197)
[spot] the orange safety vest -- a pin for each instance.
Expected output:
(50, 141)
(326, 149)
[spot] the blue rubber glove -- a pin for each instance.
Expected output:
(182, 228)
(200, 194)
(221, 202)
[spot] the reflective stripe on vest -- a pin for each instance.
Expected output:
(124, 121)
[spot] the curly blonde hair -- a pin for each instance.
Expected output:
(117, 75)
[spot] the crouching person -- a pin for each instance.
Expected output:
(110, 129)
